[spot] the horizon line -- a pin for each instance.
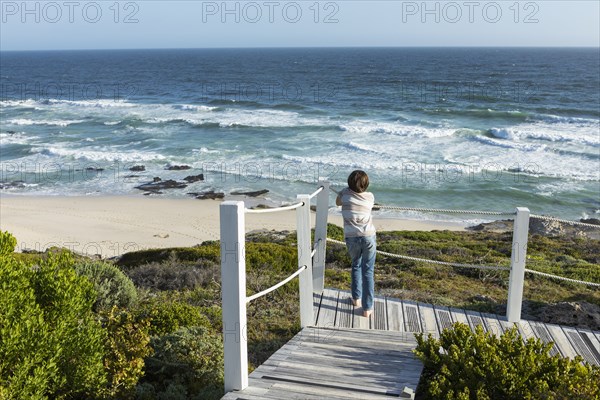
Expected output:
(313, 47)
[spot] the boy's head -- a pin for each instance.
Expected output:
(358, 181)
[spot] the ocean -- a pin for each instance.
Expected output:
(473, 128)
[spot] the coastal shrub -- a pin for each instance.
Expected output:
(51, 343)
(173, 275)
(186, 364)
(167, 317)
(7, 243)
(475, 365)
(209, 251)
(112, 286)
(272, 257)
(127, 344)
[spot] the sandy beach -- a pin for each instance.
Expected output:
(110, 226)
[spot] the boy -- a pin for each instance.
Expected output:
(359, 233)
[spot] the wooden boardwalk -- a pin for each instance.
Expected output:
(348, 356)
(324, 363)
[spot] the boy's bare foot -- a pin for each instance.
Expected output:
(367, 313)
(356, 302)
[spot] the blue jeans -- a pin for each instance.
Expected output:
(362, 251)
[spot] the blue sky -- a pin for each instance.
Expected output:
(49, 25)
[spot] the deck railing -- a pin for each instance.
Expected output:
(311, 268)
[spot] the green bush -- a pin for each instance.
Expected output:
(126, 347)
(51, 344)
(7, 243)
(167, 317)
(187, 364)
(465, 365)
(113, 287)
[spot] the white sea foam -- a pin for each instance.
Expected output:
(508, 144)
(98, 154)
(26, 122)
(16, 138)
(395, 128)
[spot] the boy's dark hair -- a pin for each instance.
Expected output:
(358, 181)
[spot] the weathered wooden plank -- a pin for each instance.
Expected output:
(492, 324)
(525, 330)
(369, 373)
(579, 345)
(291, 390)
(357, 343)
(540, 331)
(379, 317)
(317, 306)
(429, 324)
(561, 341)
(358, 385)
(394, 314)
(459, 315)
(333, 357)
(443, 317)
(504, 324)
(475, 319)
(345, 314)
(592, 342)
(412, 320)
(358, 321)
(328, 309)
(243, 396)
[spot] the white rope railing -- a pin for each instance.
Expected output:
(444, 211)
(316, 192)
(562, 278)
(271, 210)
(484, 267)
(564, 221)
(424, 260)
(276, 286)
(450, 211)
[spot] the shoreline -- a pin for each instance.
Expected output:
(109, 226)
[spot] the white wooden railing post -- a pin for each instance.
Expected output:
(305, 258)
(518, 258)
(320, 237)
(233, 295)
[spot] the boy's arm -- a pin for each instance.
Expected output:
(338, 200)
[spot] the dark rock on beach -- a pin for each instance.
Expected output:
(177, 167)
(210, 195)
(194, 178)
(12, 185)
(250, 194)
(138, 168)
(156, 179)
(156, 186)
